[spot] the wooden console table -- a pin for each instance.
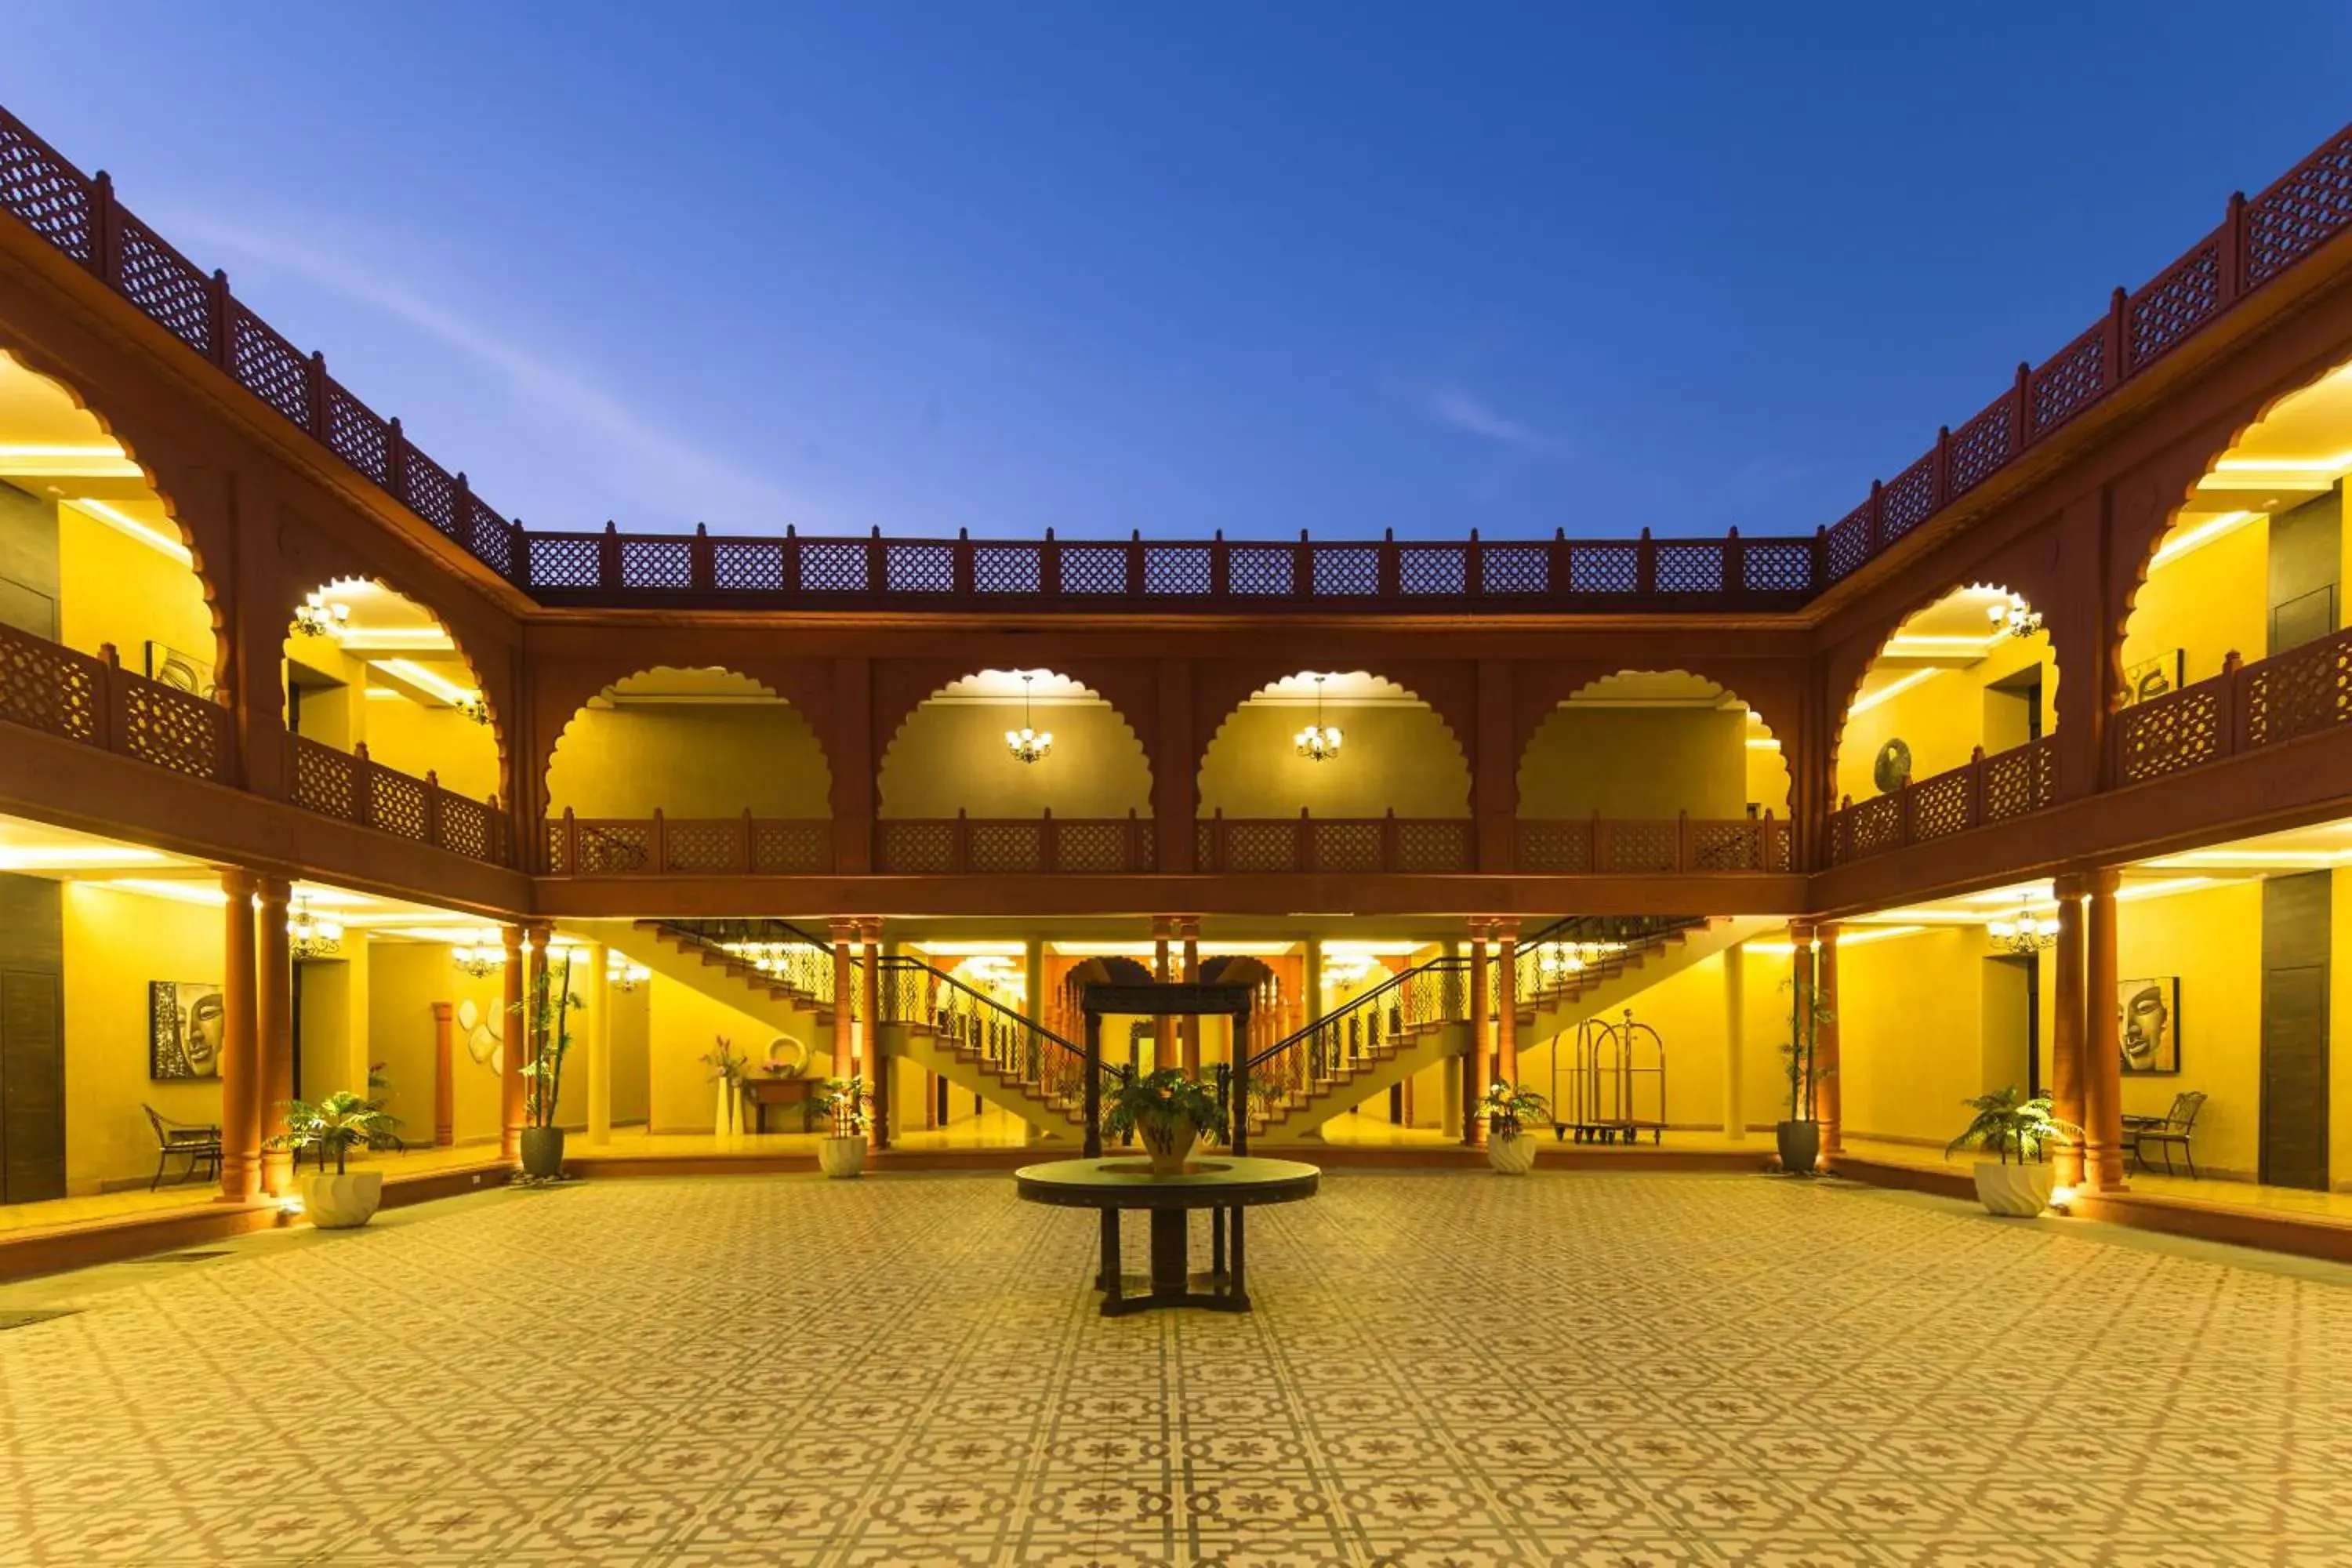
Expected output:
(763, 1092)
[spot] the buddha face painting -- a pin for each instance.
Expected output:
(187, 1026)
(2148, 1025)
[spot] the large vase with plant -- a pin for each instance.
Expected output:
(1167, 1113)
(1510, 1109)
(548, 1014)
(339, 1199)
(2018, 1133)
(727, 1066)
(842, 1153)
(1799, 1136)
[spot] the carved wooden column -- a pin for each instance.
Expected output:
(1188, 928)
(1494, 786)
(514, 1039)
(1825, 1046)
(2066, 1025)
(273, 1032)
(844, 935)
(877, 1080)
(2103, 1089)
(1506, 1001)
(444, 1079)
(1474, 1059)
(1175, 776)
(855, 777)
(239, 1055)
(1163, 1028)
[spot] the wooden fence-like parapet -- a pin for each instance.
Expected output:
(1983, 790)
(665, 845)
(357, 788)
(46, 686)
(1677, 844)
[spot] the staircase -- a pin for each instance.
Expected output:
(1411, 1022)
(785, 976)
(1584, 967)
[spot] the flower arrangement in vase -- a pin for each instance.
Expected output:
(727, 1068)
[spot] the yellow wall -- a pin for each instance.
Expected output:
(442, 741)
(682, 1024)
(2212, 938)
(2206, 603)
(404, 979)
(1911, 1039)
(1391, 757)
(1943, 718)
(1636, 762)
(115, 942)
(690, 761)
(112, 588)
(952, 755)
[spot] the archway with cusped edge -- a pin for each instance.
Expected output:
(2253, 561)
(958, 750)
(368, 666)
(1393, 752)
(1647, 744)
(698, 745)
(1973, 670)
(91, 554)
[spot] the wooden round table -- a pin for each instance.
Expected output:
(1227, 1186)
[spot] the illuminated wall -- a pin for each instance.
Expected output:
(690, 761)
(1944, 716)
(1395, 757)
(2204, 604)
(114, 588)
(1637, 762)
(951, 756)
(115, 942)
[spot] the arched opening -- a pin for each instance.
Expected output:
(1620, 775)
(91, 555)
(1975, 670)
(684, 770)
(368, 668)
(2254, 561)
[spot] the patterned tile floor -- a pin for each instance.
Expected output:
(1444, 1369)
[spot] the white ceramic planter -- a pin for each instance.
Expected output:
(333, 1202)
(841, 1156)
(2020, 1190)
(1513, 1156)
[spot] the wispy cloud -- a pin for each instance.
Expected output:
(1459, 408)
(664, 463)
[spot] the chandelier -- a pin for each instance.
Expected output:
(1028, 744)
(2012, 616)
(314, 618)
(312, 936)
(476, 708)
(622, 975)
(1318, 743)
(484, 955)
(2026, 935)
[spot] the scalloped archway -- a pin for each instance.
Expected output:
(701, 742)
(1397, 753)
(1650, 744)
(1959, 672)
(950, 752)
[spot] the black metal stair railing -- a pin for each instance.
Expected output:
(1001, 1038)
(1553, 957)
(1332, 1049)
(780, 950)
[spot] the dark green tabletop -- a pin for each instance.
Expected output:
(1126, 1182)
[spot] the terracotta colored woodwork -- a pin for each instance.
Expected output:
(514, 1043)
(2103, 1103)
(1831, 1096)
(2067, 1024)
(240, 1065)
(273, 1031)
(445, 1077)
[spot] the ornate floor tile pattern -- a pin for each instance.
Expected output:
(1444, 1370)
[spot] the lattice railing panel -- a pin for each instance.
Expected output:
(325, 780)
(1008, 569)
(1981, 447)
(269, 367)
(1605, 568)
(2299, 692)
(2299, 213)
(918, 849)
(2167, 734)
(1777, 568)
(692, 846)
(1632, 846)
(1347, 570)
(172, 728)
(1689, 568)
(1940, 804)
(1346, 845)
(2181, 299)
(789, 849)
(1847, 545)
(169, 288)
(747, 566)
(396, 803)
(613, 848)
(489, 536)
(1005, 845)
(1097, 847)
(1438, 571)
(1876, 824)
(657, 563)
(358, 434)
(45, 193)
(1261, 845)
(2022, 780)
(1431, 848)
(1555, 847)
(1508, 570)
(832, 567)
(1094, 569)
(1178, 570)
(1261, 571)
(565, 560)
(1907, 500)
(46, 686)
(919, 568)
(2069, 381)
(467, 827)
(430, 491)
(1728, 847)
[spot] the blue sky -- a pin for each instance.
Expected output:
(1108, 266)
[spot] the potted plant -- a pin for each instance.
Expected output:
(1799, 1136)
(1509, 1109)
(845, 1099)
(337, 1199)
(2005, 1126)
(1167, 1113)
(549, 1012)
(727, 1066)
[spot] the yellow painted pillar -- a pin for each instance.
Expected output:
(1190, 928)
(2103, 1089)
(240, 1057)
(845, 998)
(514, 1035)
(2066, 1027)
(600, 1043)
(273, 1029)
(1734, 1045)
(1474, 1060)
(870, 1000)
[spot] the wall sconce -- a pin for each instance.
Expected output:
(315, 617)
(625, 976)
(485, 956)
(2014, 616)
(312, 936)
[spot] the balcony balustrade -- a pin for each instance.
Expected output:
(1981, 791)
(48, 687)
(357, 788)
(1678, 844)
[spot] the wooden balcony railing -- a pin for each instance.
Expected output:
(1248, 844)
(663, 846)
(1046, 844)
(2258, 240)
(1986, 789)
(1677, 844)
(2247, 707)
(50, 686)
(353, 786)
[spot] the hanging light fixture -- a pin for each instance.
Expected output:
(1028, 744)
(312, 936)
(476, 708)
(485, 954)
(315, 617)
(622, 975)
(1318, 743)
(2027, 934)
(2014, 616)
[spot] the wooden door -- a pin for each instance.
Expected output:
(32, 1087)
(2295, 1031)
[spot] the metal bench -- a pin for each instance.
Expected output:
(198, 1144)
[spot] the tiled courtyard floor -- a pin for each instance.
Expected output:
(1445, 1368)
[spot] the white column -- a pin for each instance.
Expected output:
(600, 1043)
(1735, 1044)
